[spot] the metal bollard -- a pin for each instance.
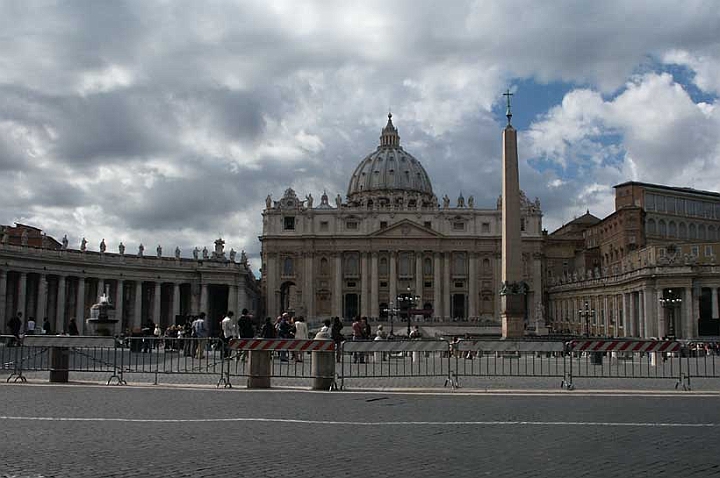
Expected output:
(59, 363)
(260, 365)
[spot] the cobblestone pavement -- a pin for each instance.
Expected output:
(91, 431)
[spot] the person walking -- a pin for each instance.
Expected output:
(200, 329)
(301, 332)
(229, 331)
(73, 328)
(337, 336)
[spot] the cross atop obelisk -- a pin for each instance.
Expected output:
(513, 289)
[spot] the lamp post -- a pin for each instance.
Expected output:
(670, 301)
(407, 301)
(391, 311)
(585, 315)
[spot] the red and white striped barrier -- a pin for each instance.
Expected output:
(624, 346)
(509, 346)
(293, 345)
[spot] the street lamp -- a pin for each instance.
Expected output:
(407, 301)
(585, 314)
(670, 301)
(391, 310)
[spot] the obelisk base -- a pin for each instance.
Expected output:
(513, 327)
(513, 315)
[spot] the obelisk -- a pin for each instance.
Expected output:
(513, 289)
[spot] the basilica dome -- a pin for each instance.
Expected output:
(390, 175)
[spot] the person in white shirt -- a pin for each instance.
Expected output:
(229, 331)
(301, 332)
(30, 326)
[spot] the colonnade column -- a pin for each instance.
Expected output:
(688, 316)
(661, 323)
(714, 302)
(271, 291)
(137, 309)
(437, 285)
(176, 300)
(309, 287)
(157, 294)
(473, 288)
(119, 301)
(393, 277)
(606, 316)
(650, 325)
(419, 279)
(364, 310)
(41, 309)
(642, 332)
(374, 283)
(22, 295)
(446, 285)
(204, 298)
(232, 301)
(100, 289)
(627, 314)
(80, 304)
(337, 287)
(60, 312)
(3, 296)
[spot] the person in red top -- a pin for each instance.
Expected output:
(358, 334)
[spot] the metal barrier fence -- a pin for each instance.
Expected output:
(625, 359)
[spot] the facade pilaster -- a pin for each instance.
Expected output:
(364, 299)
(661, 323)
(437, 285)
(419, 279)
(232, 300)
(447, 313)
(606, 316)
(337, 287)
(692, 312)
(119, 301)
(642, 324)
(60, 313)
(374, 283)
(473, 285)
(309, 292)
(393, 277)
(176, 300)
(271, 285)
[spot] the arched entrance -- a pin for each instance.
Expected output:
(351, 307)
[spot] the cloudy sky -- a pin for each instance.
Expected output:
(162, 122)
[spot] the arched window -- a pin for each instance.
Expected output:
(459, 264)
(288, 267)
(427, 266)
(693, 231)
(712, 233)
(404, 264)
(662, 228)
(383, 267)
(324, 267)
(486, 270)
(651, 227)
(701, 232)
(672, 229)
(351, 265)
(683, 231)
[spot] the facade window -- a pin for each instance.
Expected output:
(427, 266)
(693, 232)
(683, 231)
(351, 225)
(459, 264)
(289, 223)
(651, 227)
(458, 226)
(428, 224)
(383, 224)
(383, 267)
(427, 284)
(712, 233)
(485, 228)
(404, 264)
(522, 224)
(351, 265)
(288, 267)
(662, 228)
(660, 203)
(701, 232)
(324, 267)
(486, 271)
(708, 251)
(670, 205)
(649, 202)
(672, 229)
(324, 226)
(694, 252)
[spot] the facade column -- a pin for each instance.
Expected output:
(447, 312)
(157, 295)
(393, 277)
(60, 317)
(642, 325)
(137, 312)
(232, 301)
(437, 285)
(100, 290)
(715, 313)
(691, 313)
(3, 297)
(309, 292)
(120, 301)
(629, 314)
(41, 308)
(364, 310)
(650, 308)
(374, 283)
(22, 296)
(176, 300)
(419, 279)
(80, 303)
(204, 298)
(606, 316)
(271, 284)
(661, 323)
(473, 286)
(337, 288)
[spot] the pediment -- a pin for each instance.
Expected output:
(407, 229)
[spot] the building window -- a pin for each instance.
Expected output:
(351, 225)
(693, 231)
(383, 267)
(351, 265)
(486, 271)
(324, 227)
(708, 251)
(383, 224)
(288, 267)
(458, 226)
(427, 266)
(485, 228)
(694, 252)
(324, 267)
(404, 264)
(459, 285)
(383, 285)
(701, 232)
(428, 224)
(351, 283)
(459, 264)
(651, 227)
(683, 231)
(427, 284)
(672, 229)
(289, 223)
(522, 224)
